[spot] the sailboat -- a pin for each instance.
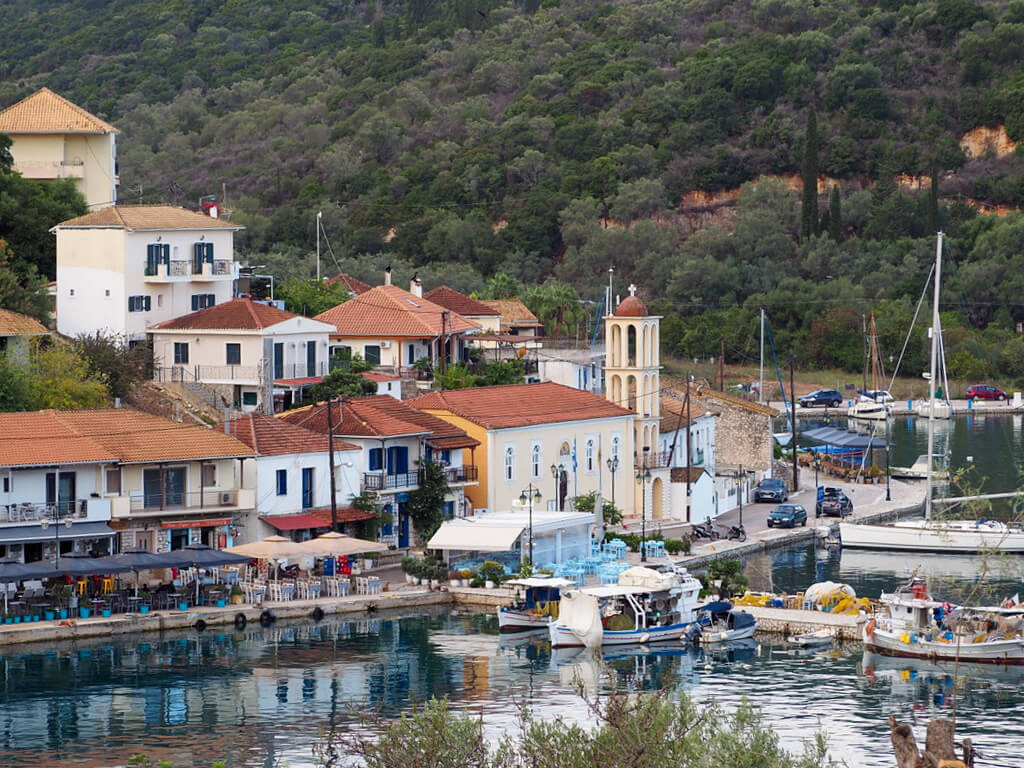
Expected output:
(936, 535)
(872, 409)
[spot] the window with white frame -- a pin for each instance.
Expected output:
(510, 462)
(589, 455)
(536, 461)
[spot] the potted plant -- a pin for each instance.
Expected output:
(465, 575)
(84, 612)
(8, 618)
(454, 578)
(237, 594)
(144, 603)
(49, 615)
(492, 573)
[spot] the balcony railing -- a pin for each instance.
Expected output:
(378, 481)
(213, 498)
(301, 370)
(31, 512)
(465, 474)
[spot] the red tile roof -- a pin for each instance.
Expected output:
(14, 324)
(107, 435)
(389, 311)
(236, 315)
(147, 217)
(351, 284)
(316, 518)
(513, 313)
(46, 112)
(520, 405)
(268, 436)
(460, 302)
(371, 376)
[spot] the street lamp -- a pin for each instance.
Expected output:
(739, 491)
(643, 475)
(529, 496)
(613, 467)
(52, 514)
(888, 493)
(817, 466)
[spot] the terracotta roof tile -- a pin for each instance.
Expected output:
(236, 314)
(110, 434)
(513, 312)
(14, 324)
(673, 414)
(520, 405)
(46, 112)
(387, 310)
(353, 285)
(268, 436)
(705, 390)
(459, 302)
(678, 474)
(147, 217)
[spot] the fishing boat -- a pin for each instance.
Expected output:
(872, 405)
(535, 607)
(916, 471)
(912, 625)
(933, 535)
(645, 606)
(724, 623)
(816, 639)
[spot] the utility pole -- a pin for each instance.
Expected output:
(319, 215)
(330, 458)
(688, 489)
(760, 385)
(721, 364)
(792, 421)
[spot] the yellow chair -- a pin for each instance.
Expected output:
(81, 586)
(108, 584)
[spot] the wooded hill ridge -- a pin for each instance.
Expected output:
(552, 139)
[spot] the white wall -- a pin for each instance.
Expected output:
(702, 438)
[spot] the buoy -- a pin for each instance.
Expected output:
(240, 621)
(267, 618)
(869, 629)
(371, 608)
(200, 625)
(318, 613)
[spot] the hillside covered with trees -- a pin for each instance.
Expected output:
(551, 139)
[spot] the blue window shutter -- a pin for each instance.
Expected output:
(209, 253)
(376, 456)
(195, 302)
(282, 482)
(147, 303)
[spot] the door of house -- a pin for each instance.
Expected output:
(307, 487)
(163, 488)
(403, 526)
(279, 361)
(60, 490)
(311, 358)
(146, 540)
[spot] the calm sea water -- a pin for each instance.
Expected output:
(263, 696)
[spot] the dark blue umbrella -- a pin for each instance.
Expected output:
(12, 570)
(203, 556)
(137, 560)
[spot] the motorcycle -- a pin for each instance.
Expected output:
(737, 532)
(705, 531)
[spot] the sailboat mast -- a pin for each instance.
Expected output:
(931, 379)
(760, 384)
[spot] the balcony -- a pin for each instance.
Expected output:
(378, 481)
(300, 370)
(179, 270)
(465, 474)
(32, 512)
(212, 499)
(216, 270)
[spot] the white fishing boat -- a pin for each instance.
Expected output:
(872, 406)
(816, 639)
(934, 535)
(725, 623)
(912, 625)
(535, 607)
(916, 471)
(646, 606)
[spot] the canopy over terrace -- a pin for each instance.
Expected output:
(846, 439)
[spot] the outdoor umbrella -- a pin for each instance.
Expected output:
(12, 570)
(143, 560)
(203, 556)
(271, 548)
(82, 564)
(335, 544)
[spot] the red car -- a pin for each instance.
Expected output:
(984, 392)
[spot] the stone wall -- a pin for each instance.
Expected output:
(743, 432)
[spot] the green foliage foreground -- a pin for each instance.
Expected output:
(628, 731)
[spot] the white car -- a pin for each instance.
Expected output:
(876, 396)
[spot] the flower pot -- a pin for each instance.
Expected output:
(63, 613)
(182, 606)
(143, 609)
(455, 582)
(49, 615)
(17, 619)
(8, 619)
(221, 603)
(83, 613)
(35, 618)
(106, 613)
(410, 579)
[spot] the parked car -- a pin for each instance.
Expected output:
(771, 489)
(787, 516)
(834, 503)
(830, 398)
(984, 392)
(876, 396)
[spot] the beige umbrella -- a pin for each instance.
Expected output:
(333, 544)
(270, 548)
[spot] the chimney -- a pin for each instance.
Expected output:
(416, 287)
(387, 275)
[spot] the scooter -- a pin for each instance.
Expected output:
(705, 531)
(737, 532)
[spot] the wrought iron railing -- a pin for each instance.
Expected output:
(212, 498)
(30, 512)
(378, 481)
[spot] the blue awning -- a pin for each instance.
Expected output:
(843, 438)
(24, 534)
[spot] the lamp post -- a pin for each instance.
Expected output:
(643, 474)
(817, 465)
(52, 514)
(739, 491)
(888, 493)
(613, 467)
(527, 497)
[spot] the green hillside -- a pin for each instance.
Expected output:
(554, 139)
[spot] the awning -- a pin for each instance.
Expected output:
(843, 438)
(474, 537)
(294, 522)
(453, 442)
(33, 533)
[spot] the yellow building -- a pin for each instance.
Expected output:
(51, 138)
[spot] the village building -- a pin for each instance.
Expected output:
(52, 139)
(123, 269)
(352, 285)
(240, 349)
(17, 332)
(392, 328)
(291, 477)
(687, 447)
(395, 441)
(106, 480)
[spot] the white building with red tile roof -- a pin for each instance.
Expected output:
(239, 347)
(555, 438)
(51, 139)
(394, 328)
(16, 332)
(115, 472)
(123, 269)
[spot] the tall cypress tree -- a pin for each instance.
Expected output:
(809, 176)
(933, 201)
(835, 215)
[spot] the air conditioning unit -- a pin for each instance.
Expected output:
(385, 344)
(227, 497)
